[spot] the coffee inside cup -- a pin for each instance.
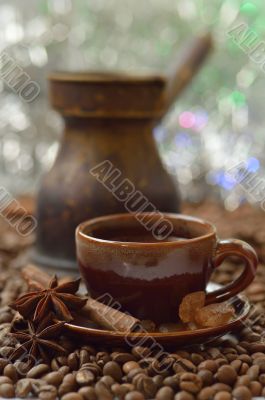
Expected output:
(132, 231)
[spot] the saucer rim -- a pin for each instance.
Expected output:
(224, 328)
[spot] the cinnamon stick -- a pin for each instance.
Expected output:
(108, 317)
(105, 316)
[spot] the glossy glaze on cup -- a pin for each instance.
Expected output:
(149, 280)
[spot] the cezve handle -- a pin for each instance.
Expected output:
(186, 65)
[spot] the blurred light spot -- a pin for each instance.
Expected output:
(245, 78)
(187, 119)
(14, 33)
(183, 139)
(221, 178)
(11, 149)
(186, 9)
(77, 35)
(248, 8)
(19, 121)
(60, 32)
(232, 202)
(184, 176)
(7, 13)
(25, 162)
(238, 98)
(253, 164)
(201, 119)
(38, 56)
(159, 133)
(228, 12)
(240, 117)
(60, 6)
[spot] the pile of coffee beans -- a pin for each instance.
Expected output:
(232, 367)
(246, 222)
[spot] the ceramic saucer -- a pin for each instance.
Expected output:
(181, 336)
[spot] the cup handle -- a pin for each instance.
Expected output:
(241, 249)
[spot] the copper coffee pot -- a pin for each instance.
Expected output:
(107, 117)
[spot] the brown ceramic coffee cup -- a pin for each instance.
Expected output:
(119, 256)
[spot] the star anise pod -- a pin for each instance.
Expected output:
(37, 342)
(57, 298)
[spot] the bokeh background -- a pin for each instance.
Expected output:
(217, 122)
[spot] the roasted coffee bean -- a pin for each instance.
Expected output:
(223, 396)
(158, 379)
(102, 357)
(206, 393)
(211, 365)
(128, 386)
(172, 381)
(206, 377)
(129, 365)
(221, 361)
(221, 387)
(68, 385)
(141, 352)
(5, 379)
(190, 382)
(107, 380)
(23, 387)
(231, 357)
(253, 372)
(119, 390)
(84, 377)
(261, 379)
(185, 365)
(47, 392)
(236, 364)
(241, 393)
(183, 395)
(260, 361)
(37, 371)
(6, 351)
(5, 317)
(134, 395)
(93, 367)
(88, 393)
(113, 369)
(58, 362)
(196, 358)
(72, 396)
(165, 393)
(103, 391)
(73, 361)
(145, 385)
(54, 378)
(11, 372)
(135, 372)
(243, 380)
(122, 358)
(226, 374)
(64, 370)
(255, 388)
(7, 390)
(245, 358)
(84, 357)
(3, 363)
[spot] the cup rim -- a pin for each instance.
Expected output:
(79, 233)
